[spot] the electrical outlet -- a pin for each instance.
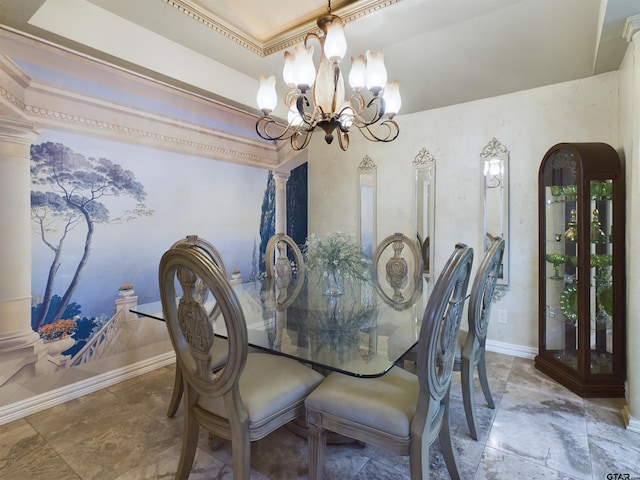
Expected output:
(502, 316)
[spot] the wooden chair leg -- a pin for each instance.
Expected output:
(241, 456)
(189, 445)
(176, 395)
(316, 443)
(484, 381)
(446, 444)
(466, 379)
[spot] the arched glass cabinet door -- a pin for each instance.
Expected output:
(367, 198)
(582, 323)
(495, 177)
(424, 208)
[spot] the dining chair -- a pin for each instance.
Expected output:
(280, 267)
(285, 276)
(253, 394)
(400, 411)
(470, 354)
(200, 291)
(397, 271)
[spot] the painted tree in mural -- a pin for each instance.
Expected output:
(267, 217)
(68, 197)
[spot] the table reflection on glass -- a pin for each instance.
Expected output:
(348, 333)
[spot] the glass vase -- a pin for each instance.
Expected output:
(332, 283)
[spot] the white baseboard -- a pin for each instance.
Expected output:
(23, 408)
(632, 424)
(511, 349)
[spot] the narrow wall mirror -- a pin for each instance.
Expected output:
(367, 199)
(495, 177)
(424, 207)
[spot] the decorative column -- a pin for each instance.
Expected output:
(631, 412)
(281, 201)
(22, 353)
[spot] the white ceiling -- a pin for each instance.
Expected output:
(443, 52)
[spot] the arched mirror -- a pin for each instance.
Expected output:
(495, 175)
(425, 207)
(367, 203)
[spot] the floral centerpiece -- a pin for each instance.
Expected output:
(59, 329)
(334, 258)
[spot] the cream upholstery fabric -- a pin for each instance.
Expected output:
(269, 385)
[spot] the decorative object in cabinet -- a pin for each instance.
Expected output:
(582, 325)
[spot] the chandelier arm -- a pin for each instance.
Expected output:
(266, 123)
(309, 119)
(316, 36)
(360, 107)
(305, 134)
(377, 105)
(343, 139)
(392, 131)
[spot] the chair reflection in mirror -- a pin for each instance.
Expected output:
(470, 354)
(424, 250)
(400, 411)
(284, 265)
(253, 394)
(401, 283)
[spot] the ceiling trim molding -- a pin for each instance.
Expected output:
(631, 26)
(282, 40)
(220, 147)
(53, 118)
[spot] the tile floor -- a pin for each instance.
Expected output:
(538, 430)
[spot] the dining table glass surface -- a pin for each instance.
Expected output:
(362, 331)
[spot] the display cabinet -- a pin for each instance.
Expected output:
(582, 269)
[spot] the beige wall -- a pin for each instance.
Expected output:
(629, 115)
(528, 123)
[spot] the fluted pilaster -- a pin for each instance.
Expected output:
(20, 347)
(281, 201)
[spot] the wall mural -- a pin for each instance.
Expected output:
(103, 213)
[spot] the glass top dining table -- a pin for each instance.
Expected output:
(362, 332)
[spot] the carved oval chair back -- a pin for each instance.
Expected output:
(401, 282)
(277, 263)
(285, 276)
(253, 393)
(400, 411)
(201, 296)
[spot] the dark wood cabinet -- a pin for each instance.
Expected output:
(582, 269)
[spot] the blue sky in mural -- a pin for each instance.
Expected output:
(189, 195)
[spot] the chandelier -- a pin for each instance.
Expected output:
(316, 100)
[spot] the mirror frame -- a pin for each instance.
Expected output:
(495, 181)
(367, 177)
(425, 172)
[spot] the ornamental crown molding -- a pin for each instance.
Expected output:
(281, 40)
(631, 26)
